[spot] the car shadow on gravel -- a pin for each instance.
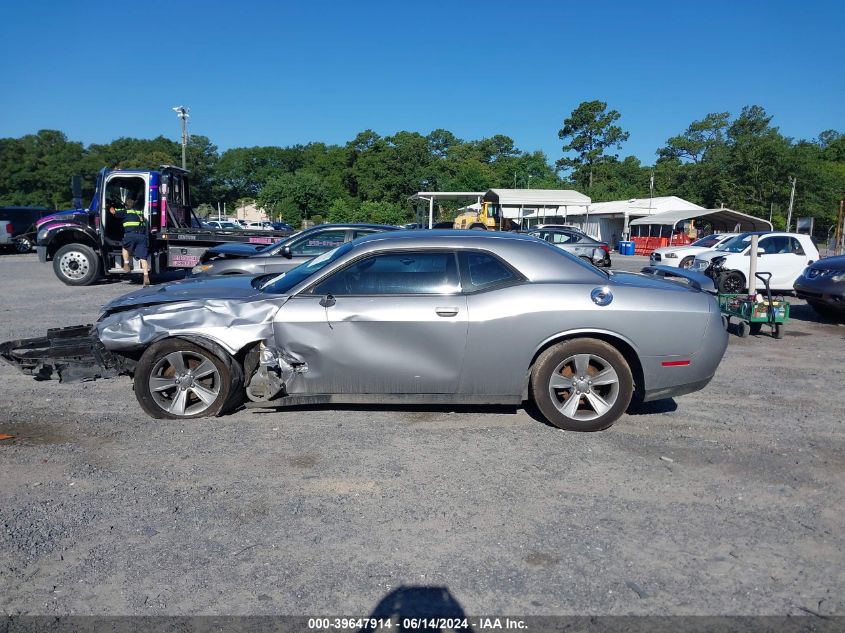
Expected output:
(804, 312)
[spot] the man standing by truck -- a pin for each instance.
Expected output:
(134, 238)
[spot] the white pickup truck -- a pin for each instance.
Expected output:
(6, 233)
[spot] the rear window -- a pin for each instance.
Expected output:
(482, 270)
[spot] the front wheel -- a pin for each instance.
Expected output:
(478, 227)
(76, 265)
(731, 282)
(177, 379)
(582, 385)
(686, 262)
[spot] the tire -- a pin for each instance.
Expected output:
(743, 329)
(77, 265)
(778, 331)
(755, 328)
(686, 262)
(823, 310)
(168, 363)
(554, 383)
(23, 245)
(732, 282)
(478, 227)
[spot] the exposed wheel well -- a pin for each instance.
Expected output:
(623, 347)
(69, 237)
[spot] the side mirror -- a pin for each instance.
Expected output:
(328, 301)
(760, 251)
(286, 252)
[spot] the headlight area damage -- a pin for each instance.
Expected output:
(68, 354)
(117, 342)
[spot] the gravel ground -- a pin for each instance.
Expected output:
(727, 501)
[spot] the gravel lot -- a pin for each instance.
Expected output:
(727, 501)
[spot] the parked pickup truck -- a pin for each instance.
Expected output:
(85, 244)
(6, 231)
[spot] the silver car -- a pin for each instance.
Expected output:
(576, 242)
(409, 317)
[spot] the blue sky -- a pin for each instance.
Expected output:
(281, 73)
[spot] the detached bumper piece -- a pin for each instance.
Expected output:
(70, 354)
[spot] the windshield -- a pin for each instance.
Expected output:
(283, 283)
(737, 244)
(707, 241)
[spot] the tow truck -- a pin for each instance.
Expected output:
(84, 245)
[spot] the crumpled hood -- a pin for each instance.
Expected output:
(226, 287)
(228, 311)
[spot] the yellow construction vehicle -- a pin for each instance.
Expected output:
(488, 218)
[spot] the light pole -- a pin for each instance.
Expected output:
(182, 113)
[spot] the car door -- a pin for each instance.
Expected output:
(304, 248)
(778, 259)
(393, 322)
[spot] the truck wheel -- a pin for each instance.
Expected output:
(582, 384)
(478, 227)
(76, 265)
(177, 379)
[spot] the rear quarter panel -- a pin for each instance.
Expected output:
(507, 327)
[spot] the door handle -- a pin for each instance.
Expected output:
(446, 312)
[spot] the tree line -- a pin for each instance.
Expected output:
(742, 162)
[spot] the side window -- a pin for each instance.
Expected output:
(318, 243)
(361, 233)
(480, 271)
(414, 273)
(563, 238)
(796, 247)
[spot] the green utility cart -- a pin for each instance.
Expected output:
(752, 314)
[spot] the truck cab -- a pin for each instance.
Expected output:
(85, 244)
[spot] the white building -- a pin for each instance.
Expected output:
(610, 220)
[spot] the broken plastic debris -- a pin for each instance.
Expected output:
(6, 436)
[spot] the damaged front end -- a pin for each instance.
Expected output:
(69, 354)
(269, 373)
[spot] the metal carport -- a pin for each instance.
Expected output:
(726, 220)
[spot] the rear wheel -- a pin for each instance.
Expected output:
(77, 265)
(778, 331)
(743, 329)
(686, 262)
(732, 282)
(177, 379)
(478, 227)
(581, 385)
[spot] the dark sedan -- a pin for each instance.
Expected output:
(822, 285)
(246, 259)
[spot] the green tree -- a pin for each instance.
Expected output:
(698, 138)
(590, 130)
(293, 196)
